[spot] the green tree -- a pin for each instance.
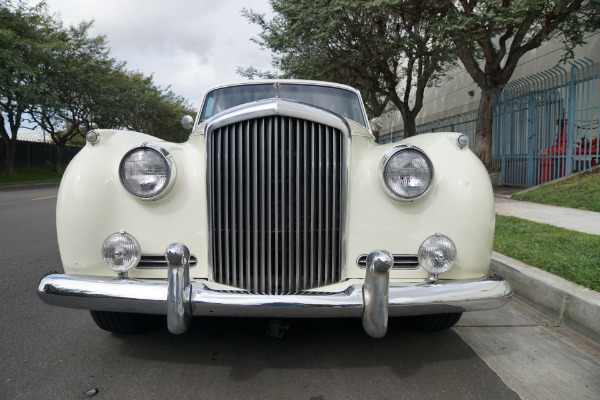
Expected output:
(139, 104)
(491, 36)
(27, 42)
(67, 103)
(64, 81)
(388, 49)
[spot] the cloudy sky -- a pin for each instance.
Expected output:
(188, 44)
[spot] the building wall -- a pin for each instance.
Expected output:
(453, 97)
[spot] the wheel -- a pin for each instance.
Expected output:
(434, 322)
(122, 323)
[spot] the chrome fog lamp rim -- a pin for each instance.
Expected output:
(383, 166)
(437, 254)
(170, 167)
(121, 252)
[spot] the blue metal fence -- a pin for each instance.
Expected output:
(546, 125)
(465, 123)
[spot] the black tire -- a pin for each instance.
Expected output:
(434, 322)
(122, 323)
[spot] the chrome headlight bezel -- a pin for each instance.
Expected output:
(170, 166)
(382, 174)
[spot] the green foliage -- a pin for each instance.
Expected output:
(65, 81)
(568, 254)
(135, 103)
(388, 49)
(27, 42)
(582, 192)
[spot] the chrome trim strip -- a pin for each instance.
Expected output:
(158, 261)
(149, 296)
(401, 261)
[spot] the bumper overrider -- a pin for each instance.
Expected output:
(180, 298)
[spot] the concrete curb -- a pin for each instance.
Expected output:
(573, 305)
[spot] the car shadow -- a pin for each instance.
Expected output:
(325, 344)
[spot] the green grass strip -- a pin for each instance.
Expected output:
(571, 255)
(25, 175)
(582, 191)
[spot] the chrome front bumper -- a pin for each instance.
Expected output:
(179, 298)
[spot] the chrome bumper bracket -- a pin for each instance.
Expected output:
(376, 293)
(179, 313)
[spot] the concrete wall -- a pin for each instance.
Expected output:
(453, 97)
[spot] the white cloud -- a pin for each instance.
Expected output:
(190, 45)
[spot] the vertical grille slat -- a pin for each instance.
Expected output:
(320, 196)
(255, 230)
(334, 211)
(313, 203)
(328, 165)
(299, 230)
(247, 212)
(263, 210)
(283, 213)
(269, 178)
(276, 201)
(233, 210)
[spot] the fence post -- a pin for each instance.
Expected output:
(571, 121)
(531, 114)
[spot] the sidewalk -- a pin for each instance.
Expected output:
(572, 305)
(568, 218)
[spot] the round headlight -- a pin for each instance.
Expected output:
(437, 254)
(121, 252)
(147, 172)
(406, 173)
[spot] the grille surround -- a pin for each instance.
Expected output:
(240, 254)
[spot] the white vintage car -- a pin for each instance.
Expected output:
(280, 205)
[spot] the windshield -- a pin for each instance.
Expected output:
(340, 101)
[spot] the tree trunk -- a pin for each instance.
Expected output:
(483, 138)
(10, 147)
(410, 126)
(58, 162)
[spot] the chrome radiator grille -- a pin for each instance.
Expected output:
(276, 200)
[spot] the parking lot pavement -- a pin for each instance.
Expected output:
(51, 353)
(533, 355)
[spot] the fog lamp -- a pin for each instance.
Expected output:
(121, 252)
(437, 254)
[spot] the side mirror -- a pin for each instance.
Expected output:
(187, 122)
(376, 125)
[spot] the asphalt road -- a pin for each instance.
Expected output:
(52, 353)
